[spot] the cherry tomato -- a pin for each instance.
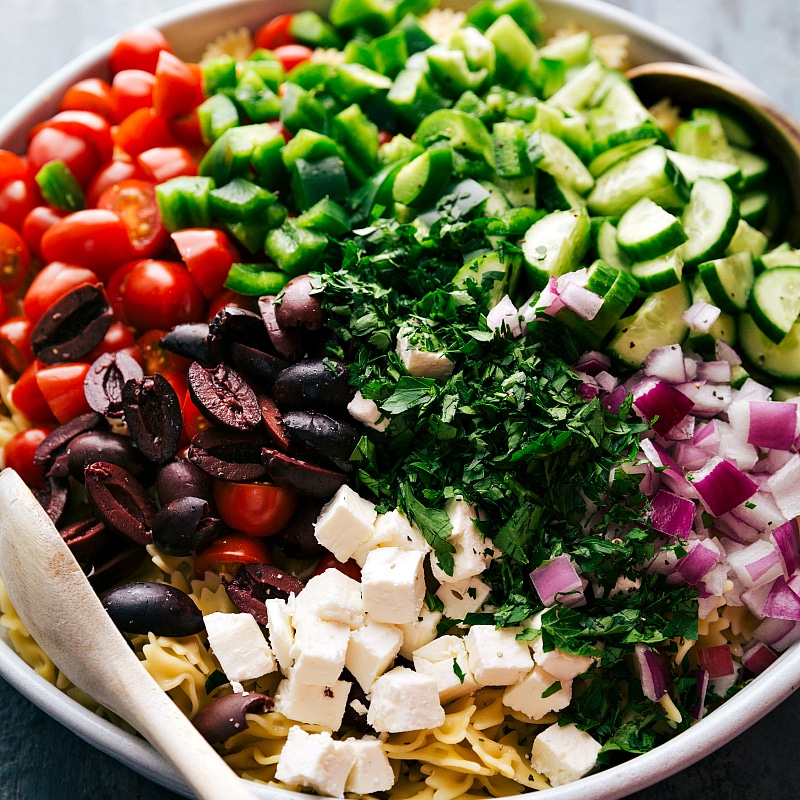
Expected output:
(134, 202)
(258, 509)
(12, 167)
(162, 163)
(15, 345)
(49, 144)
(138, 48)
(228, 553)
(185, 129)
(155, 359)
(179, 86)
(37, 221)
(91, 94)
(227, 297)
(159, 294)
(51, 283)
(275, 33)
(193, 419)
(86, 125)
(290, 55)
(117, 170)
(95, 238)
(349, 567)
(132, 89)
(142, 130)
(208, 255)
(27, 397)
(61, 386)
(15, 259)
(19, 452)
(119, 337)
(17, 198)
(3, 309)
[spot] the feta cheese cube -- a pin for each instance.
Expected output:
(404, 700)
(317, 705)
(562, 666)
(526, 696)
(462, 598)
(281, 632)
(419, 362)
(565, 754)
(445, 660)
(419, 632)
(332, 597)
(344, 523)
(315, 761)
(318, 650)
(239, 645)
(367, 412)
(392, 529)
(371, 651)
(372, 771)
(496, 656)
(393, 584)
(473, 552)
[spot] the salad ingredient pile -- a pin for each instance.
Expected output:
(423, 406)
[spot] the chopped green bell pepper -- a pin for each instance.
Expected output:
(185, 202)
(255, 280)
(59, 187)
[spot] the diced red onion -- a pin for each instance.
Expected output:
(715, 580)
(702, 688)
(716, 661)
(613, 402)
(690, 456)
(789, 639)
(672, 476)
(578, 299)
(606, 381)
(690, 367)
(653, 671)
(714, 371)
(772, 425)
(708, 399)
(782, 602)
(671, 514)
(661, 404)
(735, 529)
(683, 431)
(505, 313)
(700, 316)
(757, 657)
(760, 512)
(558, 581)
(663, 562)
(753, 390)
(725, 352)
(774, 461)
(588, 391)
(771, 631)
(666, 363)
(593, 362)
(707, 435)
(722, 486)
(696, 564)
(785, 487)
(785, 538)
(757, 564)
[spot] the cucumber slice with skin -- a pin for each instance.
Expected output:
(694, 167)
(729, 280)
(659, 273)
(549, 154)
(710, 220)
(555, 244)
(608, 247)
(420, 182)
(777, 360)
(775, 301)
(646, 231)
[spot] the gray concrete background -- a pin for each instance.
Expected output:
(39, 759)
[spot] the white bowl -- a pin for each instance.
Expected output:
(189, 28)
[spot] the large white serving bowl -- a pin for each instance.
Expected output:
(188, 29)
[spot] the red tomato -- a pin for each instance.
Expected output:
(275, 33)
(91, 94)
(185, 129)
(227, 297)
(49, 144)
(258, 509)
(193, 419)
(290, 55)
(155, 359)
(95, 238)
(133, 89)
(226, 554)
(118, 337)
(86, 125)
(178, 88)
(26, 395)
(15, 345)
(117, 170)
(163, 163)
(138, 48)
(15, 259)
(61, 386)
(349, 567)
(142, 130)
(159, 294)
(51, 283)
(12, 167)
(3, 310)
(19, 452)
(17, 198)
(208, 255)
(134, 202)
(37, 221)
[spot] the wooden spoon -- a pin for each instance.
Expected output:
(777, 136)
(66, 618)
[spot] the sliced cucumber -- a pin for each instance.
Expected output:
(552, 195)
(549, 154)
(659, 273)
(729, 280)
(420, 182)
(646, 231)
(753, 207)
(610, 156)
(694, 167)
(775, 301)
(778, 360)
(724, 328)
(608, 247)
(579, 88)
(753, 167)
(710, 220)
(747, 238)
(782, 256)
(555, 244)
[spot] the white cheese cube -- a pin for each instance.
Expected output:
(419, 362)
(366, 411)
(496, 656)
(445, 660)
(393, 585)
(561, 665)
(315, 761)
(318, 650)
(372, 771)
(344, 523)
(239, 645)
(281, 632)
(419, 632)
(403, 700)
(392, 529)
(371, 651)
(526, 696)
(462, 598)
(565, 754)
(317, 705)
(472, 553)
(332, 597)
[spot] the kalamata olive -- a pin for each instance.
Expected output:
(232, 324)
(224, 397)
(53, 497)
(118, 565)
(185, 526)
(153, 413)
(225, 716)
(273, 421)
(326, 435)
(255, 583)
(297, 307)
(86, 538)
(157, 608)
(94, 446)
(259, 366)
(289, 343)
(301, 476)
(182, 478)
(103, 383)
(297, 538)
(55, 443)
(314, 384)
(355, 712)
(228, 455)
(189, 340)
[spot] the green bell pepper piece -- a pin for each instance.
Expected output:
(390, 52)
(300, 109)
(249, 151)
(59, 187)
(255, 280)
(354, 83)
(295, 250)
(417, 38)
(326, 216)
(216, 115)
(185, 202)
(240, 200)
(256, 99)
(358, 135)
(465, 134)
(526, 13)
(413, 98)
(313, 180)
(515, 52)
(308, 28)
(218, 73)
(269, 69)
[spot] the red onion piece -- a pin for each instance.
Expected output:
(784, 484)
(714, 371)
(716, 661)
(613, 402)
(671, 514)
(772, 425)
(782, 602)
(757, 657)
(654, 672)
(661, 404)
(557, 581)
(771, 631)
(593, 362)
(696, 564)
(505, 313)
(578, 299)
(785, 538)
(666, 363)
(722, 486)
(708, 399)
(725, 352)
(702, 688)
(700, 316)
(757, 564)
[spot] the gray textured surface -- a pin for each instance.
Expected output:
(39, 759)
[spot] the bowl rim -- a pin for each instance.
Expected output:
(737, 714)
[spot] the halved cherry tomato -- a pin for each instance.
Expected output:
(86, 125)
(185, 129)
(349, 567)
(49, 144)
(158, 294)
(17, 198)
(227, 297)
(37, 221)
(15, 259)
(290, 55)
(134, 202)
(208, 255)
(163, 163)
(19, 452)
(179, 86)
(275, 33)
(3, 308)
(117, 170)
(133, 89)
(138, 48)
(51, 283)
(142, 130)
(193, 419)
(228, 553)
(95, 238)
(155, 359)
(61, 386)
(27, 397)
(91, 94)
(12, 167)
(258, 509)
(15, 345)
(119, 337)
